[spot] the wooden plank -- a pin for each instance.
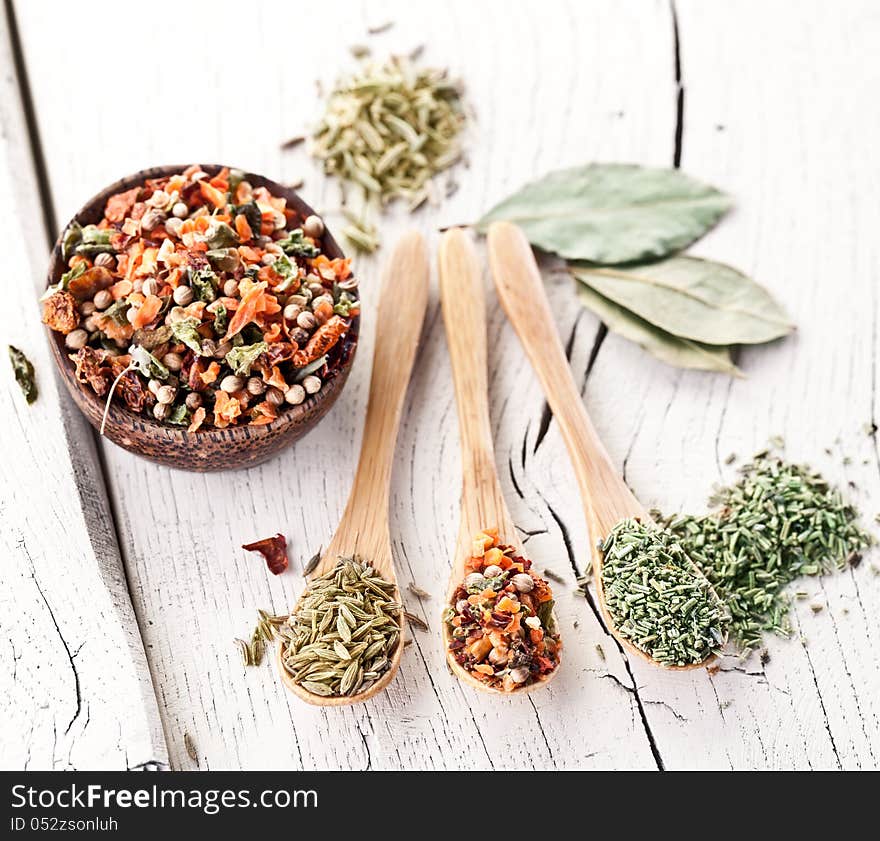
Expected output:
(552, 86)
(75, 688)
(777, 111)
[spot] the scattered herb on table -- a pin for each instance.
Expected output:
(418, 592)
(657, 599)
(24, 373)
(621, 228)
(778, 522)
(202, 301)
(387, 130)
(500, 622)
(190, 747)
(274, 550)
(345, 631)
(312, 563)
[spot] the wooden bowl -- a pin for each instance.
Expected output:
(207, 449)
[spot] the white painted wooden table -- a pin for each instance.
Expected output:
(772, 101)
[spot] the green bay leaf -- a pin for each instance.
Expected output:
(681, 353)
(612, 213)
(693, 299)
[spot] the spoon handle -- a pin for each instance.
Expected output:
(463, 297)
(520, 287)
(402, 304)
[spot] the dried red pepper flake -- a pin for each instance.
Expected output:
(274, 550)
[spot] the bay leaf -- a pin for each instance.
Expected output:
(681, 353)
(612, 213)
(694, 299)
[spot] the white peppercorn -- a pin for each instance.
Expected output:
(498, 656)
(193, 400)
(316, 289)
(475, 579)
(161, 411)
(523, 582)
(295, 395)
(520, 674)
(103, 299)
(131, 314)
(307, 321)
(152, 219)
(313, 226)
(299, 300)
(492, 571)
(172, 361)
(222, 349)
(231, 383)
(166, 394)
(180, 210)
(291, 311)
(256, 386)
(106, 261)
(461, 604)
(76, 339)
(153, 386)
(268, 258)
(150, 286)
(299, 336)
(230, 288)
(312, 384)
(173, 226)
(325, 298)
(183, 296)
(275, 396)
(87, 308)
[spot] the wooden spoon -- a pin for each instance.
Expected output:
(606, 498)
(363, 529)
(462, 294)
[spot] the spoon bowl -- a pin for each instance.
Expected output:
(606, 498)
(462, 295)
(363, 530)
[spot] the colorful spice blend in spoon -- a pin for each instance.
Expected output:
(500, 631)
(500, 627)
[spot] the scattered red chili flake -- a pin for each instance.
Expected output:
(501, 618)
(273, 549)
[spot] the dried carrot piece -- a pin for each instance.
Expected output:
(211, 194)
(322, 340)
(147, 312)
(242, 228)
(198, 419)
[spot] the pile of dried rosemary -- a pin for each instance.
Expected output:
(389, 129)
(778, 522)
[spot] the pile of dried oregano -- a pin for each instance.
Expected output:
(778, 522)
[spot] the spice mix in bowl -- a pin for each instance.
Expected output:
(202, 317)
